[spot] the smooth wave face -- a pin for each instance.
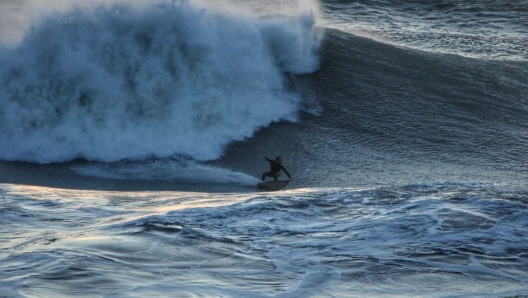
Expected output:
(124, 82)
(434, 240)
(391, 116)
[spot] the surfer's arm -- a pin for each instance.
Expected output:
(285, 171)
(268, 158)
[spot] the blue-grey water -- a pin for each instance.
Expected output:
(132, 137)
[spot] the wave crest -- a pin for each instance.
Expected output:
(167, 79)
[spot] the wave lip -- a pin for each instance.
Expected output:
(123, 82)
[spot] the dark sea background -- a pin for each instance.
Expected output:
(132, 137)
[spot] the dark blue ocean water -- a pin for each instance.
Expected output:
(131, 136)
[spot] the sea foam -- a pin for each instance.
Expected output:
(134, 82)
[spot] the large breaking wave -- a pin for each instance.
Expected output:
(124, 82)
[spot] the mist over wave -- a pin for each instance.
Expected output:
(133, 82)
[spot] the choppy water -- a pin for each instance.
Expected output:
(417, 241)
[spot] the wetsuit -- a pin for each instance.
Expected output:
(274, 170)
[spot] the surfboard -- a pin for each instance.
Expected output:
(272, 185)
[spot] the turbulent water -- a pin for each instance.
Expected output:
(132, 137)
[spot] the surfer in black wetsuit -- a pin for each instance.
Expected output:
(275, 167)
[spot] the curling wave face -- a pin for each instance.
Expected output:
(125, 82)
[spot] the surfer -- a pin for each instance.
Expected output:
(275, 167)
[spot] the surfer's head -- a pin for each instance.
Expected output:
(278, 159)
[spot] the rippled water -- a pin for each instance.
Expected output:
(417, 240)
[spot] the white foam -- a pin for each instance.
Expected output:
(164, 79)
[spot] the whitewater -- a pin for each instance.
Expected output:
(132, 137)
(99, 83)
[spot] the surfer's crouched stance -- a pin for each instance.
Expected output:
(275, 167)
